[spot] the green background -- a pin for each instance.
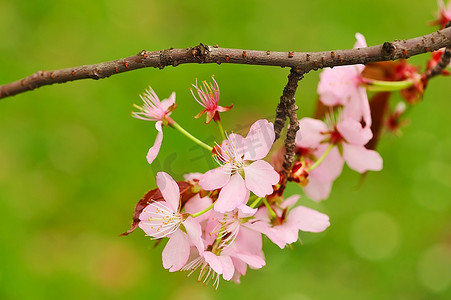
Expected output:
(72, 159)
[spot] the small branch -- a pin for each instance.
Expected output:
(289, 103)
(303, 61)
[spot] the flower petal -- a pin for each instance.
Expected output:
(361, 42)
(232, 195)
(290, 201)
(353, 132)
(194, 232)
(196, 204)
(361, 159)
(310, 133)
(214, 179)
(169, 189)
(153, 151)
(358, 107)
(330, 168)
(227, 267)
(317, 190)
(166, 103)
(259, 140)
(307, 219)
(176, 253)
(260, 176)
(213, 261)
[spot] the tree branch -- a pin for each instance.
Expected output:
(303, 61)
(288, 98)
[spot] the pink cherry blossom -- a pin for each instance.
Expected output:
(242, 157)
(163, 219)
(155, 110)
(285, 228)
(229, 246)
(343, 86)
(209, 98)
(349, 135)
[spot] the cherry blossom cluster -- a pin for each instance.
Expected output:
(214, 221)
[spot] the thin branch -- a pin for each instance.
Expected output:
(303, 61)
(289, 103)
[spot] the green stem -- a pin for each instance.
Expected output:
(176, 126)
(256, 202)
(271, 211)
(221, 129)
(386, 86)
(202, 211)
(322, 157)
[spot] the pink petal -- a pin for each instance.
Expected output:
(260, 176)
(361, 42)
(153, 151)
(338, 84)
(254, 261)
(353, 132)
(234, 145)
(288, 232)
(214, 179)
(259, 140)
(166, 103)
(307, 219)
(194, 232)
(213, 261)
(224, 108)
(176, 253)
(330, 168)
(232, 195)
(245, 211)
(290, 201)
(310, 133)
(358, 107)
(267, 230)
(317, 190)
(361, 159)
(197, 204)
(169, 189)
(227, 267)
(240, 266)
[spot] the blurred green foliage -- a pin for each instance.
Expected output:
(72, 160)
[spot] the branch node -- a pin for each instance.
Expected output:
(388, 49)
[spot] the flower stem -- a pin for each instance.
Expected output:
(271, 211)
(221, 129)
(176, 126)
(202, 211)
(386, 86)
(322, 157)
(256, 202)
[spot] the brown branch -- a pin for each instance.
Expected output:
(303, 61)
(288, 102)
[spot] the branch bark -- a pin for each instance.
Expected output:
(302, 61)
(291, 111)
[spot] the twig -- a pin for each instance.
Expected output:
(288, 101)
(442, 64)
(303, 61)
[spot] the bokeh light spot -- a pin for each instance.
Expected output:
(434, 268)
(374, 235)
